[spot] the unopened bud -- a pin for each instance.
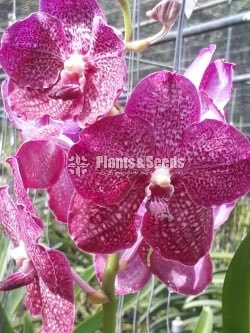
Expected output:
(165, 12)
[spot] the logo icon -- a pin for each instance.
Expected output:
(78, 165)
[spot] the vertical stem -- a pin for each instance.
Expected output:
(108, 286)
(125, 6)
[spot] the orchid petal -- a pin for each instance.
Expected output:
(40, 163)
(121, 137)
(77, 17)
(187, 236)
(217, 163)
(218, 82)
(131, 280)
(222, 213)
(208, 109)
(22, 104)
(105, 83)
(58, 309)
(107, 229)
(32, 51)
(16, 280)
(8, 217)
(187, 280)
(198, 67)
(170, 102)
(60, 195)
(33, 301)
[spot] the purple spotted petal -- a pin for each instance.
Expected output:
(40, 163)
(222, 213)
(58, 301)
(218, 82)
(104, 83)
(33, 50)
(217, 163)
(23, 104)
(16, 280)
(77, 17)
(60, 195)
(198, 67)
(187, 280)
(107, 229)
(120, 136)
(208, 108)
(33, 301)
(8, 217)
(170, 102)
(131, 280)
(187, 236)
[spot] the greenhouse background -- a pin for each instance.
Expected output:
(225, 23)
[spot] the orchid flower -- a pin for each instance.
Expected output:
(161, 120)
(64, 61)
(46, 273)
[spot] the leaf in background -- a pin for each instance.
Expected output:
(205, 322)
(27, 325)
(236, 292)
(15, 297)
(4, 323)
(5, 247)
(91, 324)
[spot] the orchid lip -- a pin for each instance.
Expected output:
(74, 66)
(19, 253)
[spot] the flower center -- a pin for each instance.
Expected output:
(74, 70)
(19, 254)
(158, 193)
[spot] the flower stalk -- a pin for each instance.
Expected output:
(128, 26)
(108, 287)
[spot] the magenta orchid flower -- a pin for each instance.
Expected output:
(64, 61)
(161, 120)
(46, 273)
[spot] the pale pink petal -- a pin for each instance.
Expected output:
(77, 17)
(23, 104)
(222, 213)
(198, 67)
(40, 163)
(16, 280)
(123, 137)
(33, 301)
(170, 102)
(208, 108)
(8, 217)
(107, 229)
(218, 82)
(33, 50)
(131, 280)
(217, 163)
(60, 196)
(187, 280)
(186, 236)
(58, 309)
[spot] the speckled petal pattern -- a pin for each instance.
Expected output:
(217, 163)
(120, 136)
(33, 50)
(185, 238)
(16, 280)
(107, 229)
(33, 301)
(170, 102)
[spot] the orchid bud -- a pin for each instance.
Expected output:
(165, 12)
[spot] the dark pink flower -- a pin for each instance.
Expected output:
(46, 273)
(161, 120)
(65, 62)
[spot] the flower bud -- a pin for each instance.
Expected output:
(165, 12)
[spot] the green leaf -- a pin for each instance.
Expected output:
(236, 292)
(15, 297)
(91, 324)
(4, 323)
(205, 321)
(27, 325)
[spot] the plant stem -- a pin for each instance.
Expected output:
(108, 287)
(125, 6)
